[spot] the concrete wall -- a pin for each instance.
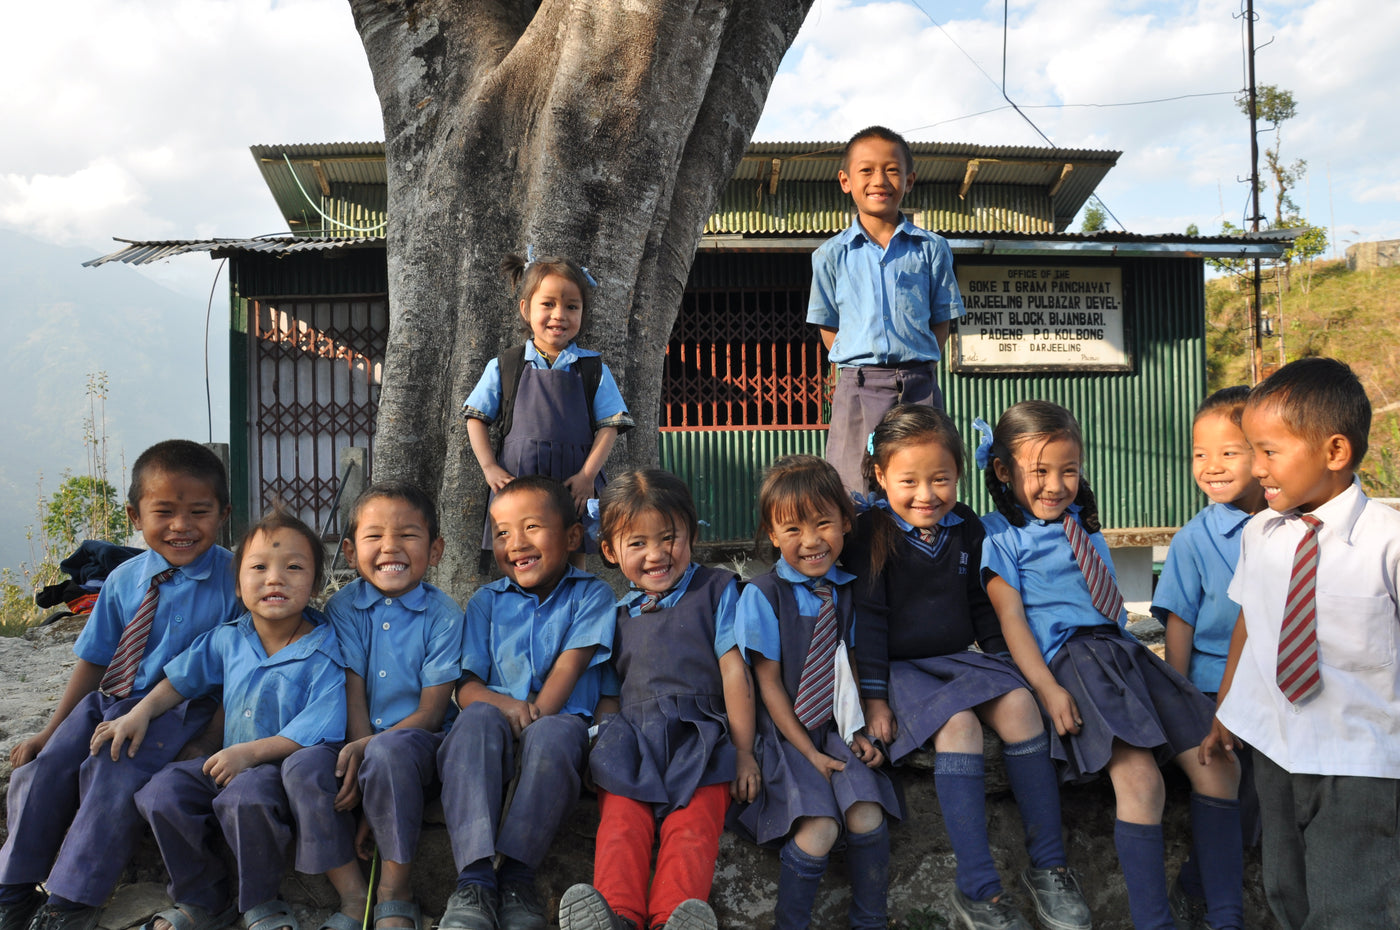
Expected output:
(1367, 255)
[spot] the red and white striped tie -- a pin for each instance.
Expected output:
(1102, 589)
(649, 603)
(121, 671)
(1299, 676)
(816, 689)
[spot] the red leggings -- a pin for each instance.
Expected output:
(685, 861)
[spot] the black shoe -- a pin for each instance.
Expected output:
(17, 916)
(520, 908)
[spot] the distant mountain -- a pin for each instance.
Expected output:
(59, 322)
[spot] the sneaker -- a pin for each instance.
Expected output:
(999, 914)
(1059, 904)
(1188, 911)
(692, 914)
(53, 918)
(18, 915)
(520, 908)
(470, 908)
(583, 908)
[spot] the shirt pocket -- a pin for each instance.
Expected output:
(1358, 632)
(912, 294)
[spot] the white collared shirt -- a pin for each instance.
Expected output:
(1353, 726)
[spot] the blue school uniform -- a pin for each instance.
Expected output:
(792, 787)
(671, 735)
(297, 693)
(1194, 584)
(1122, 689)
(89, 796)
(399, 646)
(511, 641)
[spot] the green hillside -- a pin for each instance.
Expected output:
(1352, 316)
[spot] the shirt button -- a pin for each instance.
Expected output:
(179, 619)
(386, 626)
(383, 674)
(379, 721)
(388, 601)
(247, 713)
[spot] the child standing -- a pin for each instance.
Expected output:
(682, 743)
(283, 686)
(534, 645)
(401, 639)
(815, 787)
(883, 293)
(558, 404)
(72, 824)
(919, 610)
(1116, 707)
(1312, 682)
(1190, 598)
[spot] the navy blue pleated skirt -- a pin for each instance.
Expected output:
(926, 693)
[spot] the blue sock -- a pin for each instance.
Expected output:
(1142, 856)
(960, 779)
(1037, 792)
(868, 862)
(515, 872)
(1190, 877)
(477, 873)
(798, 881)
(63, 904)
(1217, 846)
(14, 894)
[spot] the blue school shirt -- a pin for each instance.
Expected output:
(1036, 560)
(756, 625)
(1195, 578)
(196, 599)
(609, 409)
(883, 303)
(511, 639)
(398, 645)
(724, 615)
(297, 693)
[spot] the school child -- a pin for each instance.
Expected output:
(401, 639)
(883, 293)
(682, 742)
(283, 687)
(1190, 598)
(533, 650)
(919, 610)
(1312, 679)
(1115, 706)
(815, 788)
(558, 405)
(71, 821)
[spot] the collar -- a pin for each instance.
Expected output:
(311, 642)
(835, 575)
(1032, 518)
(503, 585)
(566, 358)
(948, 519)
(855, 234)
(1338, 516)
(198, 570)
(367, 595)
(635, 594)
(1225, 519)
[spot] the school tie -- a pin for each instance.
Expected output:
(1102, 589)
(649, 603)
(121, 671)
(1298, 676)
(815, 691)
(925, 535)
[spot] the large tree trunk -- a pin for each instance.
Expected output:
(601, 131)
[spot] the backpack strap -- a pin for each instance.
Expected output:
(590, 369)
(512, 362)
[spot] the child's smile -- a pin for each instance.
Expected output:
(812, 543)
(920, 481)
(391, 548)
(1221, 460)
(653, 552)
(276, 575)
(530, 541)
(555, 313)
(1043, 476)
(178, 514)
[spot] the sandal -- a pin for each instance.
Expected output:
(192, 917)
(270, 915)
(408, 909)
(341, 921)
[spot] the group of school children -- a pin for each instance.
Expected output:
(212, 702)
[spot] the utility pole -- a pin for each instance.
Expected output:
(1256, 342)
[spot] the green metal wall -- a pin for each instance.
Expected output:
(1137, 424)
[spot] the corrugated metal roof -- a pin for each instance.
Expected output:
(345, 180)
(144, 253)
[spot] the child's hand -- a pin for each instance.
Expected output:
(347, 769)
(26, 750)
(1064, 713)
(866, 751)
(824, 763)
(497, 477)
(879, 720)
(520, 714)
(128, 727)
(744, 787)
(223, 765)
(1218, 742)
(580, 489)
(364, 840)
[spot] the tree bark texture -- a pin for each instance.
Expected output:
(597, 130)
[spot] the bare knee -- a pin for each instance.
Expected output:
(864, 816)
(1220, 779)
(1015, 716)
(816, 835)
(1137, 784)
(962, 733)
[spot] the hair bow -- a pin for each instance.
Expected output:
(587, 276)
(870, 444)
(529, 255)
(983, 455)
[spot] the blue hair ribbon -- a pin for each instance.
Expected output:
(870, 443)
(529, 255)
(587, 276)
(983, 456)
